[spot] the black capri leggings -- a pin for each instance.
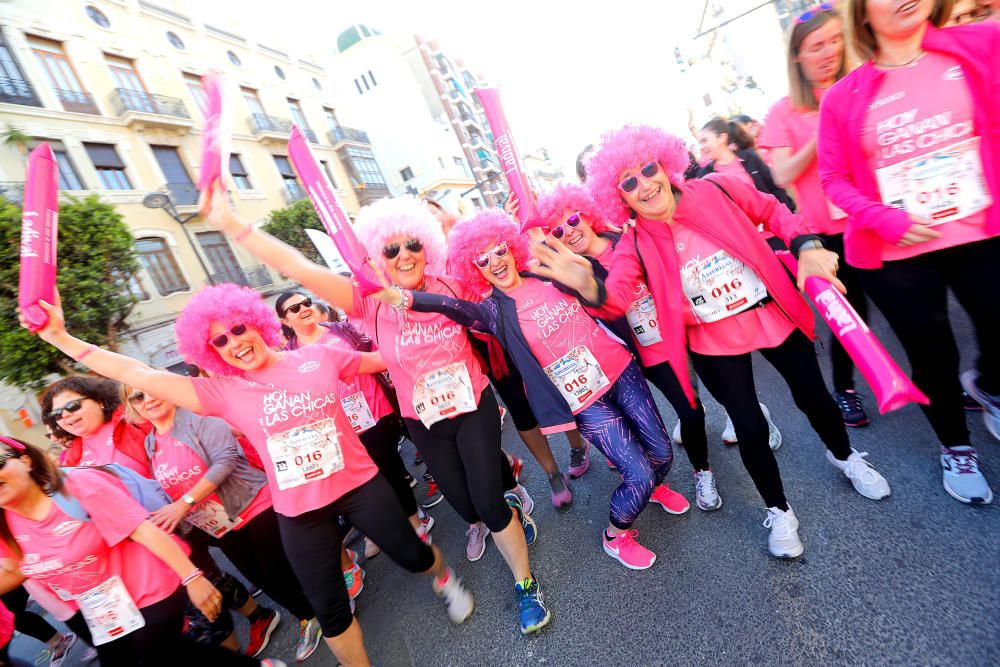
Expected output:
(380, 441)
(27, 622)
(463, 454)
(692, 419)
(312, 541)
(841, 362)
(730, 379)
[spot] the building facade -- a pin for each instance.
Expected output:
(114, 86)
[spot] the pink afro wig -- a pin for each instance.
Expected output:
(466, 241)
(231, 305)
(552, 205)
(631, 146)
(402, 216)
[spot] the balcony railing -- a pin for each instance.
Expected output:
(339, 133)
(77, 101)
(183, 194)
(456, 93)
(12, 191)
(124, 100)
(310, 135)
(370, 192)
(260, 122)
(18, 91)
(247, 276)
(488, 164)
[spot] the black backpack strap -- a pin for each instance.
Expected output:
(724, 191)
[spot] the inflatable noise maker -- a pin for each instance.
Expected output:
(39, 236)
(218, 132)
(892, 388)
(510, 163)
(331, 213)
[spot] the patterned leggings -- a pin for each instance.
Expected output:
(626, 427)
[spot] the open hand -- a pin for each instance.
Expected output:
(168, 516)
(553, 260)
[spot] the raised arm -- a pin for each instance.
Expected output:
(481, 317)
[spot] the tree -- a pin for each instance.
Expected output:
(13, 136)
(97, 262)
(289, 225)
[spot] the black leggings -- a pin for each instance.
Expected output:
(692, 419)
(312, 541)
(730, 379)
(841, 362)
(380, 441)
(913, 296)
(463, 454)
(511, 390)
(27, 622)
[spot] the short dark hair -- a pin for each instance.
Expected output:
(44, 472)
(101, 390)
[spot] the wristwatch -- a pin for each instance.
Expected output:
(189, 500)
(810, 244)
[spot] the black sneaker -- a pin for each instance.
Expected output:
(850, 406)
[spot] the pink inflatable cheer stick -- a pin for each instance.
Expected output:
(509, 160)
(892, 388)
(39, 236)
(337, 225)
(215, 141)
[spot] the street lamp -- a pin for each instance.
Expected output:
(162, 200)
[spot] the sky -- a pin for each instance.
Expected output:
(567, 71)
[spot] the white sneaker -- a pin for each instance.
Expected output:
(706, 496)
(676, 435)
(527, 504)
(866, 480)
(773, 434)
(456, 597)
(729, 432)
(783, 542)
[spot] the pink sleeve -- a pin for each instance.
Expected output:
(763, 208)
(776, 133)
(624, 273)
(346, 362)
(360, 306)
(215, 395)
(113, 511)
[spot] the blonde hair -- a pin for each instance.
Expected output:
(800, 89)
(860, 35)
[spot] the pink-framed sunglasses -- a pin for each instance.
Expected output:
(483, 260)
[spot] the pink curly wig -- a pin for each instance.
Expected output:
(231, 305)
(631, 146)
(468, 237)
(406, 216)
(552, 205)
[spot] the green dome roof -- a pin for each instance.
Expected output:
(353, 35)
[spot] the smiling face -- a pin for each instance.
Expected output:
(151, 408)
(501, 272)
(407, 268)
(303, 321)
(15, 477)
(714, 146)
(897, 19)
(821, 54)
(579, 239)
(83, 423)
(246, 351)
(652, 198)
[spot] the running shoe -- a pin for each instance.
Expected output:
(783, 542)
(90, 655)
(579, 460)
(418, 458)
(352, 555)
(626, 550)
(531, 606)
(676, 435)
(266, 622)
(272, 662)
(409, 480)
(773, 434)
(562, 497)
(426, 522)
(706, 496)
(527, 523)
(433, 496)
(61, 650)
(310, 635)
(850, 406)
(962, 478)
(991, 404)
(866, 480)
(516, 466)
(456, 597)
(527, 504)
(354, 581)
(671, 501)
(371, 549)
(476, 546)
(970, 404)
(729, 433)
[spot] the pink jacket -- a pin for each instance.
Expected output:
(848, 180)
(733, 225)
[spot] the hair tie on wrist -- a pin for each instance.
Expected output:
(245, 232)
(191, 577)
(80, 357)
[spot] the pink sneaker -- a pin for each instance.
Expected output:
(671, 501)
(627, 551)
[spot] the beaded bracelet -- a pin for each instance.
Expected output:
(191, 577)
(404, 299)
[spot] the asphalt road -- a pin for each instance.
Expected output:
(910, 580)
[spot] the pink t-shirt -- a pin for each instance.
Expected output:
(291, 414)
(604, 259)
(99, 449)
(76, 556)
(368, 385)
(924, 110)
(792, 128)
(735, 168)
(178, 468)
(555, 324)
(745, 331)
(413, 344)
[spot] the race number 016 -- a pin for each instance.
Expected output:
(728, 288)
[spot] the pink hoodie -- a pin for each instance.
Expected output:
(732, 224)
(847, 178)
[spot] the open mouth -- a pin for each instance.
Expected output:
(245, 355)
(573, 238)
(500, 272)
(652, 195)
(306, 314)
(908, 7)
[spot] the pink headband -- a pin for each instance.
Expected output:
(13, 443)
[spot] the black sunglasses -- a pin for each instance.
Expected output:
(137, 398)
(391, 250)
(8, 457)
(221, 340)
(632, 182)
(70, 407)
(296, 307)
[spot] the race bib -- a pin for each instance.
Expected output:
(109, 611)
(941, 186)
(720, 286)
(305, 453)
(357, 411)
(211, 517)
(578, 376)
(443, 393)
(641, 316)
